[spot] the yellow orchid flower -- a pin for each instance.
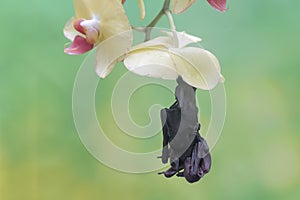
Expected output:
(160, 59)
(94, 22)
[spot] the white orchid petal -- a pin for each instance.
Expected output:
(184, 39)
(113, 19)
(152, 62)
(161, 41)
(179, 6)
(111, 51)
(85, 8)
(69, 30)
(198, 67)
(88, 9)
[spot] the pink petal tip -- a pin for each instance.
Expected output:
(79, 46)
(219, 5)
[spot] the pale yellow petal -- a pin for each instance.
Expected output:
(198, 67)
(69, 30)
(179, 6)
(113, 19)
(116, 37)
(168, 41)
(82, 8)
(96, 8)
(161, 41)
(184, 39)
(151, 62)
(111, 51)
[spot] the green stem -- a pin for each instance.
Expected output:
(163, 11)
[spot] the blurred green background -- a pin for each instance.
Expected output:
(257, 156)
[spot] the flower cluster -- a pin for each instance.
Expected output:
(171, 56)
(96, 21)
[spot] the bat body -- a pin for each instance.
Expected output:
(187, 152)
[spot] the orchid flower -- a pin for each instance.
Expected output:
(94, 22)
(179, 6)
(160, 59)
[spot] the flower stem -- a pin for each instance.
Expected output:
(165, 9)
(172, 26)
(170, 18)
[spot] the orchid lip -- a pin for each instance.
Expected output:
(89, 28)
(79, 46)
(78, 27)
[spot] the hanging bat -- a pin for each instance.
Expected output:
(187, 152)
